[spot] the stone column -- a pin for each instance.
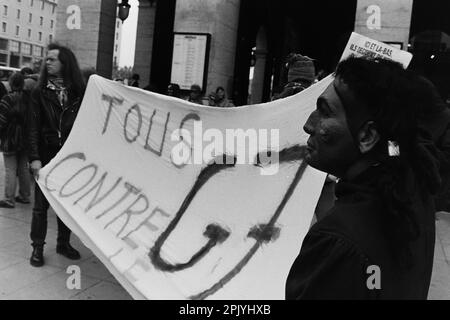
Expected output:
(144, 40)
(220, 19)
(87, 27)
(384, 20)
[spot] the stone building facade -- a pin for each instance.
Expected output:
(247, 41)
(26, 28)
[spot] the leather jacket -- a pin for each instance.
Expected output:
(49, 124)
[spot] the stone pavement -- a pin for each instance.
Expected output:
(19, 280)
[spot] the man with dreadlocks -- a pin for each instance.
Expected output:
(377, 241)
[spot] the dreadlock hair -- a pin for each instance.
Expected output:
(71, 73)
(394, 98)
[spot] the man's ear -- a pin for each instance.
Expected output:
(368, 137)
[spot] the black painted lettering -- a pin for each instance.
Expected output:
(98, 186)
(161, 146)
(128, 212)
(66, 195)
(189, 116)
(112, 101)
(147, 222)
(76, 155)
(139, 123)
(130, 189)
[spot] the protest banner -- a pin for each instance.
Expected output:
(182, 201)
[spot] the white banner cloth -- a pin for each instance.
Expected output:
(169, 230)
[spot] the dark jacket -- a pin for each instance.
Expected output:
(3, 90)
(13, 114)
(438, 126)
(50, 123)
(337, 252)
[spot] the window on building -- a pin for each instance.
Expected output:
(17, 30)
(116, 47)
(3, 44)
(14, 60)
(30, 17)
(5, 10)
(3, 59)
(117, 36)
(26, 61)
(118, 24)
(37, 51)
(41, 21)
(50, 38)
(42, 4)
(18, 13)
(29, 33)
(52, 24)
(53, 9)
(3, 26)
(14, 46)
(19, 0)
(31, 3)
(40, 36)
(26, 48)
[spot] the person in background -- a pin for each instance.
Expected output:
(195, 95)
(173, 90)
(53, 109)
(219, 99)
(435, 119)
(27, 72)
(134, 82)
(377, 242)
(301, 74)
(13, 113)
(3, 90)
(31, 79)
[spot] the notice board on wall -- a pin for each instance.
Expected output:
(190, 59)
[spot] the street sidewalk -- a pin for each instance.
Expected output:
(19, 280)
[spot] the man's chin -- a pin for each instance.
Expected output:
(310, 161)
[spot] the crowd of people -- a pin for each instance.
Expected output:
(376, 208)
(36, 117)
(217, 98)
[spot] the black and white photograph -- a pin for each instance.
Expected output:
(243, 152)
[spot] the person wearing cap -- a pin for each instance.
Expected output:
(173, 90)
(195, 95)
(301, 75)
(377, 241)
